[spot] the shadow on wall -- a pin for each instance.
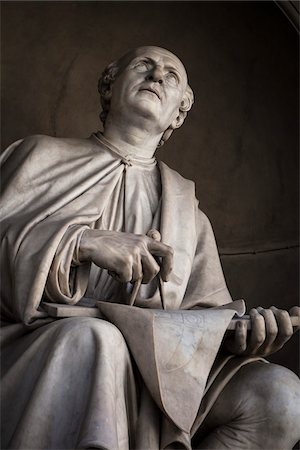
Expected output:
(239, 142)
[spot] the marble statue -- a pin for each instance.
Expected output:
(155, 369)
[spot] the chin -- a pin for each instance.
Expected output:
(147, 109)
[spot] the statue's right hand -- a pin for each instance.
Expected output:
(129, 256)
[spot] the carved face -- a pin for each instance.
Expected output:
(151, 84)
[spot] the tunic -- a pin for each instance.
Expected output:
(72, 383)
(134, 207)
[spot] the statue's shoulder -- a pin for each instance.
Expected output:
(43, 142)
(45, 147)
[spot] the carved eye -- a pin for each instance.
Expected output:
(142, 66)
(172, 78)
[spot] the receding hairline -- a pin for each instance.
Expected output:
(134, 52)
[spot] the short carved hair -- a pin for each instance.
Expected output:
(105, 82)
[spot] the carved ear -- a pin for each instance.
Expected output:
(179, 120)
(106, 93)
(187, 100)
(185, 105)
(106, 81)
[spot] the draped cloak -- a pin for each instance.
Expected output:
(56, 393)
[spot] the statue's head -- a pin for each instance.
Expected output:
(153, 78)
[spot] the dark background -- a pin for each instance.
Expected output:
(240, 140)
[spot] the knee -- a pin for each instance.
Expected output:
(260, 405)
(88, 331)
(274, 386)
(274, 392)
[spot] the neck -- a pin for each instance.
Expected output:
(131, 140)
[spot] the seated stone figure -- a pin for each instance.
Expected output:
(76, 215)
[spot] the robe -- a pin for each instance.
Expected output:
(73, 383)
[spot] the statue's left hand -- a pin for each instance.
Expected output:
(270, 330)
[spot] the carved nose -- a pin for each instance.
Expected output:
(155, 75)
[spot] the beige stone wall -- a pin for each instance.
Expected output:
(240, 141)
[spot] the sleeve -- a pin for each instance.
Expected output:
(68, 278)
(206, 285)
(43, 212)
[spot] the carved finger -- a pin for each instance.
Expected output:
(125, 272)
(154, 234)
(258, 332)
(137, 271)
(285, 328)
(166, 253)
(122, 276)
(240, 339)
(271, 331)
(295, 311)
(166, 267)
(150, 268)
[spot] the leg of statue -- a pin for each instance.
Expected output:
(75, 388)
(258, 409)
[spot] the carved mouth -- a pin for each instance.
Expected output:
(153, 91)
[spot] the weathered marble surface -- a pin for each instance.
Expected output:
(69, 234)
